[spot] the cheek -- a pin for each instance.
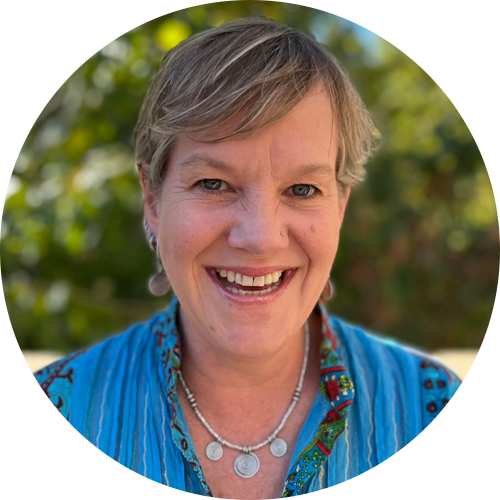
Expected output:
(186, 231)
(319, 238)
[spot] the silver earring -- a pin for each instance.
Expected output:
(327, 292)
(149, 235)
(159, 284)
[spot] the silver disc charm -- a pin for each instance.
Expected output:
(214, 450)
(246, 465)
(278, 447)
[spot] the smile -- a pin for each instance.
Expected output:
(246, 285)
(240, 284)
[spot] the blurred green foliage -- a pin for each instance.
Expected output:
(418, 258)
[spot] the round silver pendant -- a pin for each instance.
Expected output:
(214, 450)
(278, 447)
(246, 465)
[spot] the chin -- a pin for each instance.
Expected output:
(257, 337)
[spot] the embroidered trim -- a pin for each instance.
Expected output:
(338, 388)
(56, 380)
(169, 352)
(437, 384)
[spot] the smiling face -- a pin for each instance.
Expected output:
(266, 207)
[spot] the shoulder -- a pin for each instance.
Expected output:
(105, 359)
(380, 365)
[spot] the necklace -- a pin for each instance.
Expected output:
(247, 463)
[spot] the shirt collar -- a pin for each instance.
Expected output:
(338, 387)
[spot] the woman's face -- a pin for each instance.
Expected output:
(265, 206)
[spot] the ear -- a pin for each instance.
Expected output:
(150, 202)
(343, 194)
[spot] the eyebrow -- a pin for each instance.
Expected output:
(198, 160)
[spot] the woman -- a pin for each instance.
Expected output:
(248, 144)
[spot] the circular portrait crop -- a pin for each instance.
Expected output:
(255, 248)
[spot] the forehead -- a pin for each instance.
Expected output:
(307, 136)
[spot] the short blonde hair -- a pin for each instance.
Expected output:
(231, 80)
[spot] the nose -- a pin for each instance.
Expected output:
(260, 230)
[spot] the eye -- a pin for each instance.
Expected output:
(302, 190)
(213, 184)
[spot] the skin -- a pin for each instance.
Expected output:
(242, 355)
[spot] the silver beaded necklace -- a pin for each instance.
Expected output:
(247, 463)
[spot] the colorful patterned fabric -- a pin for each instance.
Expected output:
(121, 395)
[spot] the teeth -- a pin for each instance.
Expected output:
(234, 290)
(247, 281)
(243, 280)
(260, 281)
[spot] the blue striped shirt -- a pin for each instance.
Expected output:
(374, 397)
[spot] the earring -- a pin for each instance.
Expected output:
(327, 292)
(159, 284)
(149, 235)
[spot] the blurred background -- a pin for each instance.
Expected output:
(418, 258)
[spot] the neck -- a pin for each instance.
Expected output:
(206, 366)
(244, 398)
